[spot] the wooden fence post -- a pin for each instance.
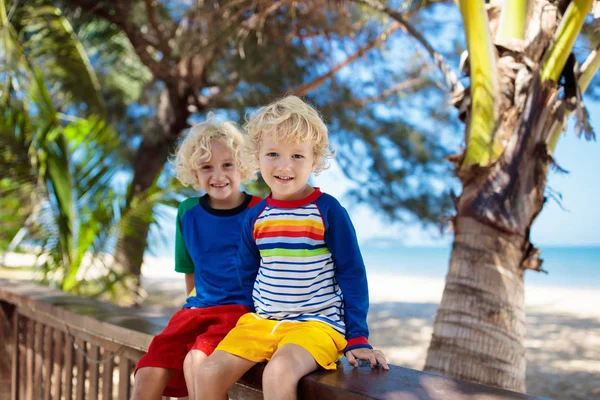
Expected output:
(7, 347)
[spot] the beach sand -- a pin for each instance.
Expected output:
(563, 329)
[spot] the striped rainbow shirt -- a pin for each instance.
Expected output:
(296, 278)
(301, 262)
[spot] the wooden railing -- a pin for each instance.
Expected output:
(58, 346)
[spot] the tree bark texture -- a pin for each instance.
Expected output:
(480, 325)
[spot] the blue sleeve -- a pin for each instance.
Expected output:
(351, 274)
(248, 260)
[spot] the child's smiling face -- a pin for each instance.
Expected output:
(286, 166)
(220, 177)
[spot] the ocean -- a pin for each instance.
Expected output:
(568, 267)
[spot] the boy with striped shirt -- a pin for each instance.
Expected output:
(300, 261)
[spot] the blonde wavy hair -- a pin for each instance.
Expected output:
(291, 120)
(195, 149)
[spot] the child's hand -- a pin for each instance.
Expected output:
(373, 356)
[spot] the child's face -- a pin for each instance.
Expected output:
(220, 178)
(286, 167)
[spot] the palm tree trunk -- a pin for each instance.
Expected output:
(479, 330)
(171, 119)
(480, 325)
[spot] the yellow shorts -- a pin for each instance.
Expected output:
(256, 339)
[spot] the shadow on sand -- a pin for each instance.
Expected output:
(563, 350)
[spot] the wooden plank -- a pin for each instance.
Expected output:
(115, 324)
(14, 395)
(133, 355)
(68, 370)
(38, 346)
(80, 347)
(349, 383)
(243, 392)
(22, 357)
(93, 367)
(76, 331)
(124, 378)
(47, 381)
(58, 365)
(6, 348)
(30, 336)
(107, 374)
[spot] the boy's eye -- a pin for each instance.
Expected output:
(271, 154)
(298, 156)
(206, 167)
(228, 165)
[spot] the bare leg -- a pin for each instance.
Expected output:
(150, 382)
(217, 374)
(192, 362)
(282, 374)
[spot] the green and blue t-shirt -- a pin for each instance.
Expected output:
(206, 244)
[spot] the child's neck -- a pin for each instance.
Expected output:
(307, 191)
(228, 203)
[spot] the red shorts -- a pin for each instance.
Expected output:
(189, 329)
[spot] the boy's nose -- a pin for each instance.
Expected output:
(218, 174)
(283, 163)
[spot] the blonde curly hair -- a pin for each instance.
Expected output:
(292, 120)
(195, 149)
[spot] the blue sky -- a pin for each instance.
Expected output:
(579, 223)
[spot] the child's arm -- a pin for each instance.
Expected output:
(351, 275)
(189, 284)
(183, 261)
(248, 260)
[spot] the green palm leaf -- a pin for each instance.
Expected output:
(51, 45)
(565, 37)
(482, 146)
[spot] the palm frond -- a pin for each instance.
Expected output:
(482, 146)
(513, 20)
(587, 72)
(53, 46)
(118, 65)
(564, 39)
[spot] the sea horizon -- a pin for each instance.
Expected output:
(567, 266)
